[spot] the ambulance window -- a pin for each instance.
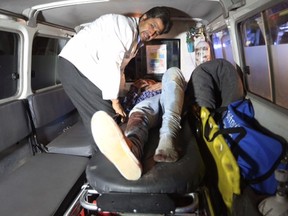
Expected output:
(8, 64)
(277, 18)
(265, 42)
(222, 45)
(44, 61)
(255, 52)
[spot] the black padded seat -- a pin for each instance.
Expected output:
(40, 185)
(181, 177)
(75, 141)
(33, 185)
(57, 123)
(48, 105)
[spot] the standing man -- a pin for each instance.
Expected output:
(91, 65)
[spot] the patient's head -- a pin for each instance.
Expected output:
(202, 52)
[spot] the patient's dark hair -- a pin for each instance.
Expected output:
(162, 13)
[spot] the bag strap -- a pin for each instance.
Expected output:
(218, 114)
(215, 115)
(226, 131)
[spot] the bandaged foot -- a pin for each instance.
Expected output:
(115, 146)
(166, 151)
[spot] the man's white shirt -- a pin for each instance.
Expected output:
(102, 49)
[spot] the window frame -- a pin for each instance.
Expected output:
(56, 81)
(20, 58)
(262, 11)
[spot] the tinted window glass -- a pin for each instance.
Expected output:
(8, 64)
(222, 45)
(44, 61)
(253, 31)
(258, 80)
(277, 18)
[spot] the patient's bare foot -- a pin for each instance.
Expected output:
(166, 151)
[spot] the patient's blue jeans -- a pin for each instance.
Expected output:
(167, 106)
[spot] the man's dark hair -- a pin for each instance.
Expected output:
(162, 13)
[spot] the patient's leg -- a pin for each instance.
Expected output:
(216, 84)
(126, 150)
(137, 132)
(144, 116)
(172, 98)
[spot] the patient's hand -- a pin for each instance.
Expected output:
(147, 84)
(154, 87)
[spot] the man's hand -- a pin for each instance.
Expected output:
(118, 109)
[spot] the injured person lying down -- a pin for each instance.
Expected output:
(162, 106)
(154, 106)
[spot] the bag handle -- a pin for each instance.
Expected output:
(240, 130)
(226, 131)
